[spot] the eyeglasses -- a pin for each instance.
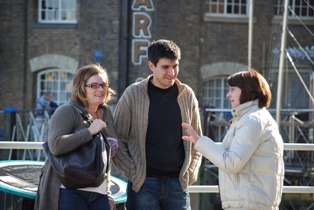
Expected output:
(96, 85)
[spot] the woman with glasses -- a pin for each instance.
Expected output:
(250, 158)
(68, 130)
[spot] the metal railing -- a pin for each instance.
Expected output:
(192, 188)
(22, 125)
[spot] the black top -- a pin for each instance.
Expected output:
(164, 145)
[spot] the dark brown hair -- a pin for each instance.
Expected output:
(253, 86)
(163, 48)
(79, 82)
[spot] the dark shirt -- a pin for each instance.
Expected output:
(164, 145)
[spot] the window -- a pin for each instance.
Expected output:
(214, 93)
(294, 94)
(298, 96)
(227, 7)
(57, 11)
(59, 82)
(303, 9)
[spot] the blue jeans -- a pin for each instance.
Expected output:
(82, 200)
(162, 193)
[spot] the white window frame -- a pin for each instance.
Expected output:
(215, 95)
(59, 82)
(296, 6)
(225, 3)
(57, 11)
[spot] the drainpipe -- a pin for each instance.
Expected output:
(250, 35)
(25, 54)
(124, 40)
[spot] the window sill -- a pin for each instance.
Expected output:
(53, 25)
(227, 19)
(293, 21)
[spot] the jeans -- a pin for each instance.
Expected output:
(82, 200)
(158, 193)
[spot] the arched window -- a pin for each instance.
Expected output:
(215, 91)
(215, 87)
(59, 82)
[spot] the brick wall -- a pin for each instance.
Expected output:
(22, 39)
(99, 27)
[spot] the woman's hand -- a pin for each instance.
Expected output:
(96, 126)
(113, 145)
(111, 203)
(193, 136)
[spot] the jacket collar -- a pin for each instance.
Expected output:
(242, 109)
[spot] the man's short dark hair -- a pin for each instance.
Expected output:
(163, 49)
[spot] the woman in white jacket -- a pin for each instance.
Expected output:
(250, 158)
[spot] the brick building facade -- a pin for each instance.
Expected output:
(37, 53)
(212, 46)
(28, 47)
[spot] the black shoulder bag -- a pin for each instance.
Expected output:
(86, 166)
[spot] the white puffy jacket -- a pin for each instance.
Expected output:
(250, 159)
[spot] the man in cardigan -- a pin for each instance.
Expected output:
(158, 164)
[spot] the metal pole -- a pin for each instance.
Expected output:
(250, 35)
(281, 63)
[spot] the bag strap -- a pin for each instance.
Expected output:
(89, 120)
(85, 116)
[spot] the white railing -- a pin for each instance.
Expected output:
(193, 188)
(20, 145)
(214, 189)
(38, 145)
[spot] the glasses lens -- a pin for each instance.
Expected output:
(104, 85)
(94, 85)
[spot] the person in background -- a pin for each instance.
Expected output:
(43, 103)
(250, 159)
(53, 107)
(159, 166)
(67, 131)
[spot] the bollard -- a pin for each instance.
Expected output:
(9, 123)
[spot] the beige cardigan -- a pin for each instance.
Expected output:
(130, 121)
